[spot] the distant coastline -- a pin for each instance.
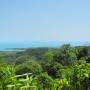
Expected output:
(36, 44)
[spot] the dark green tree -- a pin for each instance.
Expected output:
(66, 55)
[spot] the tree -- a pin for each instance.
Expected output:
(29, 67)
(45, 82)
(66, 55)
(81, 71)
(53, 69)
(83, 52)
(48, 56)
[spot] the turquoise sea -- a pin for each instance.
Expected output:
(7, 46)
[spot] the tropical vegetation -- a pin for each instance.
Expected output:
(63, 68)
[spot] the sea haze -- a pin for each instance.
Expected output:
(14, 46)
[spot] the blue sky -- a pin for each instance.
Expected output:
(44, 20)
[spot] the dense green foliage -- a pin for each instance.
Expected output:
(64, 68)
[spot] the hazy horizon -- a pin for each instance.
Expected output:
(36, 44)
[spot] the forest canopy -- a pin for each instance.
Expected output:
(63, 68)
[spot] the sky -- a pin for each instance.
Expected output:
(44, 20)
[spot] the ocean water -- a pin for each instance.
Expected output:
(7, 46)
